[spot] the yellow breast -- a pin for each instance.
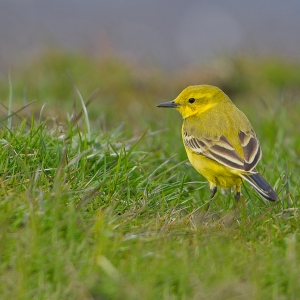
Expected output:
(213, 171)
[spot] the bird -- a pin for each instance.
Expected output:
(219, 140)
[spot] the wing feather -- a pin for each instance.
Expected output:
(223, 152)
(251, 149)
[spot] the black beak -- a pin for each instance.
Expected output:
(168, 104)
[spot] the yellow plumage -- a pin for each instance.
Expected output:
(219, 140)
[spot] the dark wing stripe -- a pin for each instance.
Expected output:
(229, 155)
(224, 149)
(199, 144)
(193, 143)
(251, 149)
(251, 166)
(225, 162)
(223, 142)
(244, 138)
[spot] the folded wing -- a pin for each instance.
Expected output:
(223, 152)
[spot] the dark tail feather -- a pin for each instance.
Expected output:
(261, 185)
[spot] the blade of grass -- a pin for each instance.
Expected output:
(16, 112)
(9, 119)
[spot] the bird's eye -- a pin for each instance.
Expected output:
(192, 100)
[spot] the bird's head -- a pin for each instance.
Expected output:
(196, 99)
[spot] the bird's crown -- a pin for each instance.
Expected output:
(198, 98)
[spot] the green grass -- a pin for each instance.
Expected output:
(111, 209)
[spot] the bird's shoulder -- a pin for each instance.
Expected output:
(222, 120)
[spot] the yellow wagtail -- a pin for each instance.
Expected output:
(219, 140)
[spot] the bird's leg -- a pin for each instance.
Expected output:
(237, 197)
(213, 190)
(237, 194)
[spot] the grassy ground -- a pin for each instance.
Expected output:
(107, 206)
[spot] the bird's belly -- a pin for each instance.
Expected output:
(213, 171)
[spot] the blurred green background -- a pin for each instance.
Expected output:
(127, 93)
(140, 53)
